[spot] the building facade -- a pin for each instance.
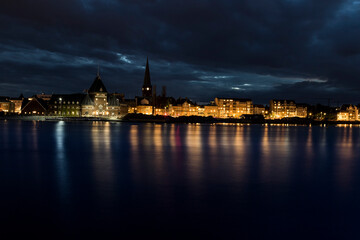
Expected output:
(348, 112)
(282, 109)
(18, 103)
(65, 105)
(233, 107)
(99, 96)
(6, 106)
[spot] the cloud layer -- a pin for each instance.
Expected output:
(301, 49)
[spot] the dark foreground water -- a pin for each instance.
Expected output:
(60, 179)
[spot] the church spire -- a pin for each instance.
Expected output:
(147, 87)
(147, 81)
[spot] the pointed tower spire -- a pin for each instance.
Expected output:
(147, 81)
(147, 87)
(97, 86)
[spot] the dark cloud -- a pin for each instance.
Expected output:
(201, 49)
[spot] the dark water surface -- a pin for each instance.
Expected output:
(168, 180)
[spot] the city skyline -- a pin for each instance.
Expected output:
(97, 102)
(298, 50)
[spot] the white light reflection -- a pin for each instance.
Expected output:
(61, 160)
(34, 135)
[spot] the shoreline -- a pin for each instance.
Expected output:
(139, 118)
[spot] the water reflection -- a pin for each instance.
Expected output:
(61, 159)
(195, 153)
(277, 148)
(266, 158)
(34, 135)
(159, 152)
(273, 153)
(174, 173)
(345, 157)
(102, 159)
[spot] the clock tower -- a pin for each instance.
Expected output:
(98, 93)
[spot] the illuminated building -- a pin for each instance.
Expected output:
(348, 112)
(233, 107)
(282, 109)
(144, 109)
(87, 106)
(175, 111)
(65, 105)
(113, 106)
(160, 111)
(6, 106)
(211, 111)
(99, 103)
(259, 109)
(18, 103)
(184, 107)
(287, 109)
(301, 110)
(98, 94)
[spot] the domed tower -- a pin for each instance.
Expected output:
(98, 94)
(147, 87)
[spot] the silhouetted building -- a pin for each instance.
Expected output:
(145, 103)
(147, 87)
(43, 96)
(34, 106)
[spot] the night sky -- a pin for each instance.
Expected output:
(304, 50)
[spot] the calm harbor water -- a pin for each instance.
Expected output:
(177, 180)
